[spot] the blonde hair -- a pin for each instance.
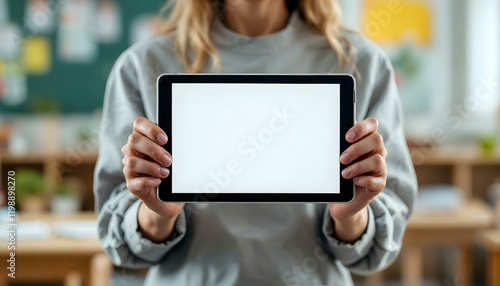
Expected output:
(190, 22)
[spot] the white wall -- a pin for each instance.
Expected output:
(482, 99)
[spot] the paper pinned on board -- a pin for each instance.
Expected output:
(144, 27)
(37, 55)
(393, 22)
(14, 84)
(109, 26)
(4, 12)
(39, 17)
(11, 41)
(76, 35)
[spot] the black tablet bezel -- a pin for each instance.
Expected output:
(347, 120)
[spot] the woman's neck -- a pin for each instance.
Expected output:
(255, 18)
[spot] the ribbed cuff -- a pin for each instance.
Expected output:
(143, 247)
(349, 253)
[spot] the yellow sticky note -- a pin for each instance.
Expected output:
(396, 21)
(37, 55)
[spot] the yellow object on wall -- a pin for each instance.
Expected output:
(37, 55)
(395, 21)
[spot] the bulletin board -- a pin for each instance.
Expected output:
(74, 87)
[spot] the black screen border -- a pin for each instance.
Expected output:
(347, 120)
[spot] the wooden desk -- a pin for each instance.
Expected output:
(464, 167)
(50, 260)
(490, 239)
(457, 228)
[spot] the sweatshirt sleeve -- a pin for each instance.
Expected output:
(117, 208)
(388, 213)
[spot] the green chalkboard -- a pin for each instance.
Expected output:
(77, 87)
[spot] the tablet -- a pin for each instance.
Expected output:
(256, 137)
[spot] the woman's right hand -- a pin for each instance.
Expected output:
(145, 163)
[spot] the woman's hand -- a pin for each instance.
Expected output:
(369, 175)
(145, 163)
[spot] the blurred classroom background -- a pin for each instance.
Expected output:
(55, 57)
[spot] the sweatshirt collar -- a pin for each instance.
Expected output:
(223, 36)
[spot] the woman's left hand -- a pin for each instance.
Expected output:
(369, 175)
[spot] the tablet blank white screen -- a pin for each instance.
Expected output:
(255, 138)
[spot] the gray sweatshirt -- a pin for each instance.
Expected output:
(252, 244)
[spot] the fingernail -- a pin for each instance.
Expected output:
(156, 181)
(351, 136)
(164, 172)
(345, 158)
(167, 161)
(346, 173)
(162, 139)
